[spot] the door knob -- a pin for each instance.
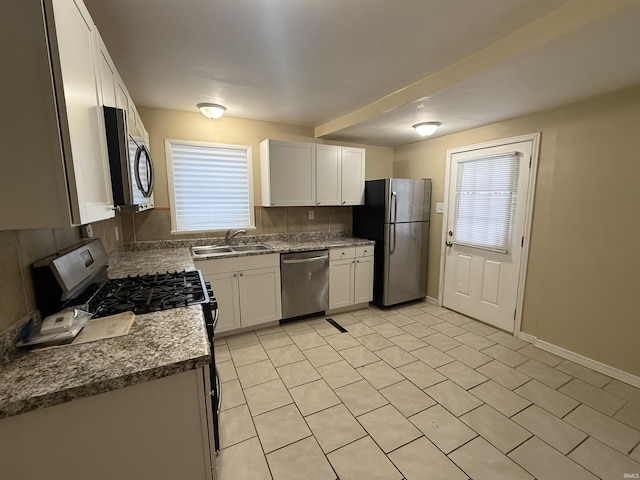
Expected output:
(449, 243)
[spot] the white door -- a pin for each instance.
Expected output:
(352, 178)
(259, 296)
(486, 211)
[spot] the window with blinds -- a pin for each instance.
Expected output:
(210, 186)
(486, 191)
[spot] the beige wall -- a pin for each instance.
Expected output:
(168, 124)
(582, 290)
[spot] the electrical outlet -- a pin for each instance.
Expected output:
(439, 207)
(312, 215)
(117, 234)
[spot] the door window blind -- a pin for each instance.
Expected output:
(486, 191)
(211, 186)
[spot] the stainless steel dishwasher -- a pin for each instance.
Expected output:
(305, 282)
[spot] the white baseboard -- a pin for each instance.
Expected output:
(582, 360)
(431, 300)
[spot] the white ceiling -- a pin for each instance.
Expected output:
(366, 70)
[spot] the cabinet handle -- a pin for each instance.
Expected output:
(235, 275)
(242, 275)
(344, 203)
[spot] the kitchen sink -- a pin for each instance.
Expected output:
(212, 250)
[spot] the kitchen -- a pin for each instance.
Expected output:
(586, 145)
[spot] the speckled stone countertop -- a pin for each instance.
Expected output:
(159, 344)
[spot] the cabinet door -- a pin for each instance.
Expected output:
(122, 97)
(291, 173)
(260, 300)
(353, 164)
(328, 174)
(225, 289)
(85, 147)
(363, 280)
(340, 283)
(107, 74)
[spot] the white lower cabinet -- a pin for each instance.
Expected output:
(247, 289)
(350, 276)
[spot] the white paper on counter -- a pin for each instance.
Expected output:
(105, 327)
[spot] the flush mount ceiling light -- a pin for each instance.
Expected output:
(426, 128)
(211, 110)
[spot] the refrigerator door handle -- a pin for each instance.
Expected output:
(394, 199)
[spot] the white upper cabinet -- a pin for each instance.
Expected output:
(107, 74)
(55, 169)
(307, 174)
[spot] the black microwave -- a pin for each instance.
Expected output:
(130, 163)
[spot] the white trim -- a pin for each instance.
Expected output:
(534, 138)
(582, 360)
(432, 301)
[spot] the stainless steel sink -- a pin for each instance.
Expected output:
(212, 250)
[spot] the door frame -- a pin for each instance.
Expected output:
(535, 149)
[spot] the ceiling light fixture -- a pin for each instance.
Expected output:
(426, 128)
(211, 110)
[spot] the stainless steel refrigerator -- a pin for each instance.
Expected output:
(396, 216)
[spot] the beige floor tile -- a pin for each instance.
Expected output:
(456, 318)
(421, 459)
(543, 373)
(630, 415)
(362, 460)
(395, 356)
(453, 397)
(508, 340)
(400, 320)
(325, 329)
(546, 463)
(339, 374)
(242, 340)
(432, 356)
(374, 342)
(497, 429)
(427, 319)
(462, 375)
(408, 342)
(232, 395)
(380, 375)
(603, 461)
(505, 376)
(222, 353)
(297, 373)
(448, 329)
(358, 356)
(227, 371)
(342, 341)
(410, 310)
(623, 390)
(479, 328)
(322, 355)
(500, 398)
(421, 374)
(441, 341)
(219, 341)
(583, 373)
(371, 319)
(615, 434)
(469, 356)
(474, 341)
(635, 455)
(285, 355)
(280, 427)
(442, 428)
(594, 397)
(243, 460)
(268, 330)
(275, 340)
(313, 397)
(266, 396)
(548, 398)
(335, 427)
(358, 329)
(346, 319)
(506, 355)
(481, 461)
(407, 398)
(540, 355)
(389, 428)
(300, 460)
(360, 397)
(235, 426)
(434, 310)
(247, 355)
(256, 373)
(557, 433)
(297, 327)
(418, 329)
(308, 340)
(388, 330)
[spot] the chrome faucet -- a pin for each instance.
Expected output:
(229, 236)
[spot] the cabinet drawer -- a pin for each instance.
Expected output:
(364, 251)
(234, 264)
(341, 253)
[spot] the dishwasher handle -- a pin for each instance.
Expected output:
(305, 260)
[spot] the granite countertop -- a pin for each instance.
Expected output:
(159, 344)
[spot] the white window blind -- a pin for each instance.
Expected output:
(486, 191)
(210, 186)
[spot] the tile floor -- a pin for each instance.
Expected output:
(416, 392)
